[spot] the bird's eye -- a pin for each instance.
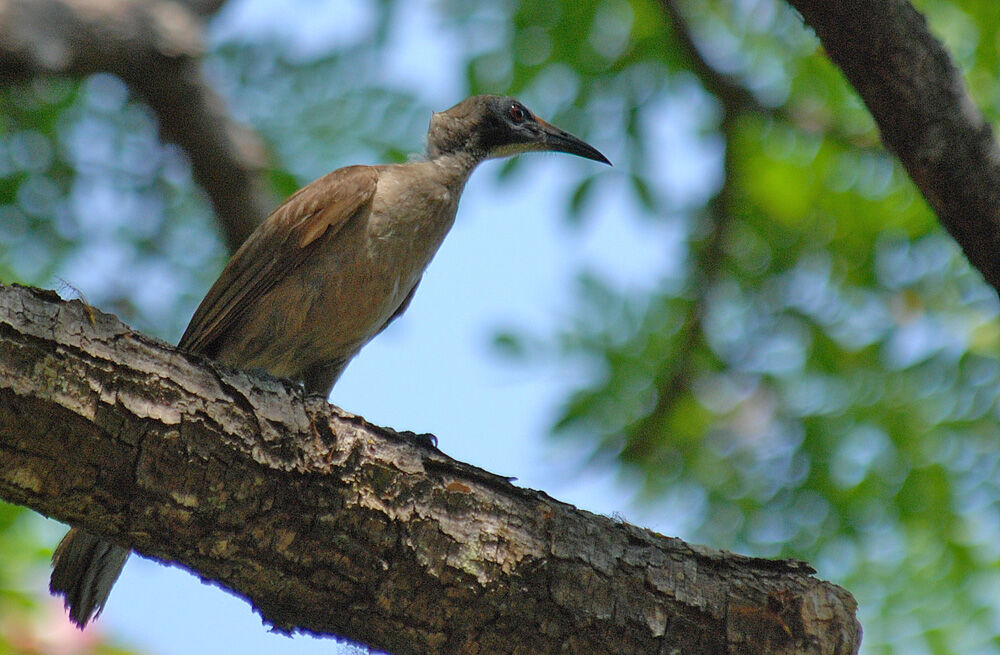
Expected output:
(517, 113)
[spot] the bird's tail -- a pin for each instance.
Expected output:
(84, 568)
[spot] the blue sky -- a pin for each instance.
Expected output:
(510, 261)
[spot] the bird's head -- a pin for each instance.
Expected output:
(489, 126)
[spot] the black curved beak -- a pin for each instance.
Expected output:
(556, 140)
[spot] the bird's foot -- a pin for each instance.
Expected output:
(313, 396)
(423, 440)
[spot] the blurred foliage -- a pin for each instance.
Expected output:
(815, 376)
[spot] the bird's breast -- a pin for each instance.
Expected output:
(373, 266)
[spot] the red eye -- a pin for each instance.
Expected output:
(517, 113)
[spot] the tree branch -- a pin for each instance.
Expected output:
(921, 105)
(674, 380)
(154, 46)
(331, 525)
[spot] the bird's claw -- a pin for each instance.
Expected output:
(425, 440)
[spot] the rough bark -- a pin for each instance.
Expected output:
(924, 112)
(154, 46)
(330, 525)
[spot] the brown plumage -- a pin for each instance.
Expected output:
(327, 271)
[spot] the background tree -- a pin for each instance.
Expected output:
(810, 369)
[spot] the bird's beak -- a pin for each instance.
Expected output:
(556, 140)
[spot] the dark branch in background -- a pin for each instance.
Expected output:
(330, 525)
(732, 94)
(726, 88)
(676, 378)
(924, 112)
(154, 46)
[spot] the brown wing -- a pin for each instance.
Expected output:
(276, 248)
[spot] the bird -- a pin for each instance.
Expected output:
(326, 272)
